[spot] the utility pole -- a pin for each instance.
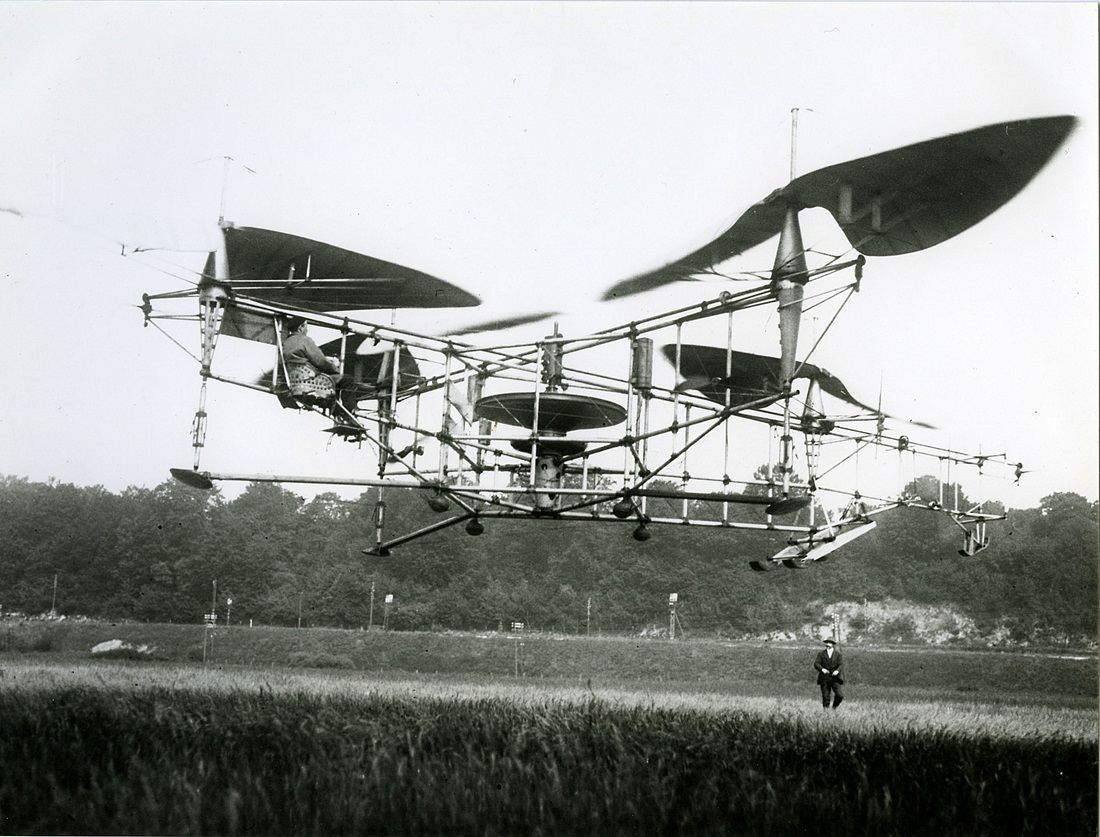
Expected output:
(517, 635)
(53, 606)
(370, 622)
(588, 619)
(672, 597)
(211, 620)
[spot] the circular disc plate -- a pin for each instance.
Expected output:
(558, 412)
(555, 447)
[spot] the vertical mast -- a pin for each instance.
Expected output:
(794, 140)
(789, 277)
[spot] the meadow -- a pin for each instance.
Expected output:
(329, 732)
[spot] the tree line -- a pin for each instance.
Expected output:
(157, 554)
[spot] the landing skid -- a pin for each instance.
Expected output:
(801, 553)
(349, 432)
(975, 541)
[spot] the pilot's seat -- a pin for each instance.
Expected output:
(310, 386)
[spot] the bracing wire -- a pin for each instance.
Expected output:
(189, 353)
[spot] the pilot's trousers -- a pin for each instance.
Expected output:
(830, 688)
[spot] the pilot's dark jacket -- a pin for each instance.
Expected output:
(824, 662)
(299, 349)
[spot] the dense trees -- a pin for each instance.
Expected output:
(155, 555)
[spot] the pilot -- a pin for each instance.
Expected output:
(310, 373)
(830, 673)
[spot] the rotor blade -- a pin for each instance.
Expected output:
(673, 272)
(696, 383)
(789, 505)
(333, 347)
(367, 375)
(835, 387)
(891, 203)
(755, 226)
(502, 323)
(915, 197)
(288, 269)
(704, 370)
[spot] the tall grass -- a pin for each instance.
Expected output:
(132, 749)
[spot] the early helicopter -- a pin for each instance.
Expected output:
(583, 427)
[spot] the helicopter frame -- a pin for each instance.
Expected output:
(558, 469)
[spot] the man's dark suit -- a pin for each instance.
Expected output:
(830, 682)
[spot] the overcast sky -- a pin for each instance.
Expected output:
(533, 153)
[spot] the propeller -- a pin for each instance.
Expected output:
(146, 308)
(891, 203)
(1019, 472)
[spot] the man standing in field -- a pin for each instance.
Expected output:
(830, 673)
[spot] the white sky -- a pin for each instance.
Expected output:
(533, 153)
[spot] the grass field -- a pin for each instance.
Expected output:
(749, 668)
(328, 732)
